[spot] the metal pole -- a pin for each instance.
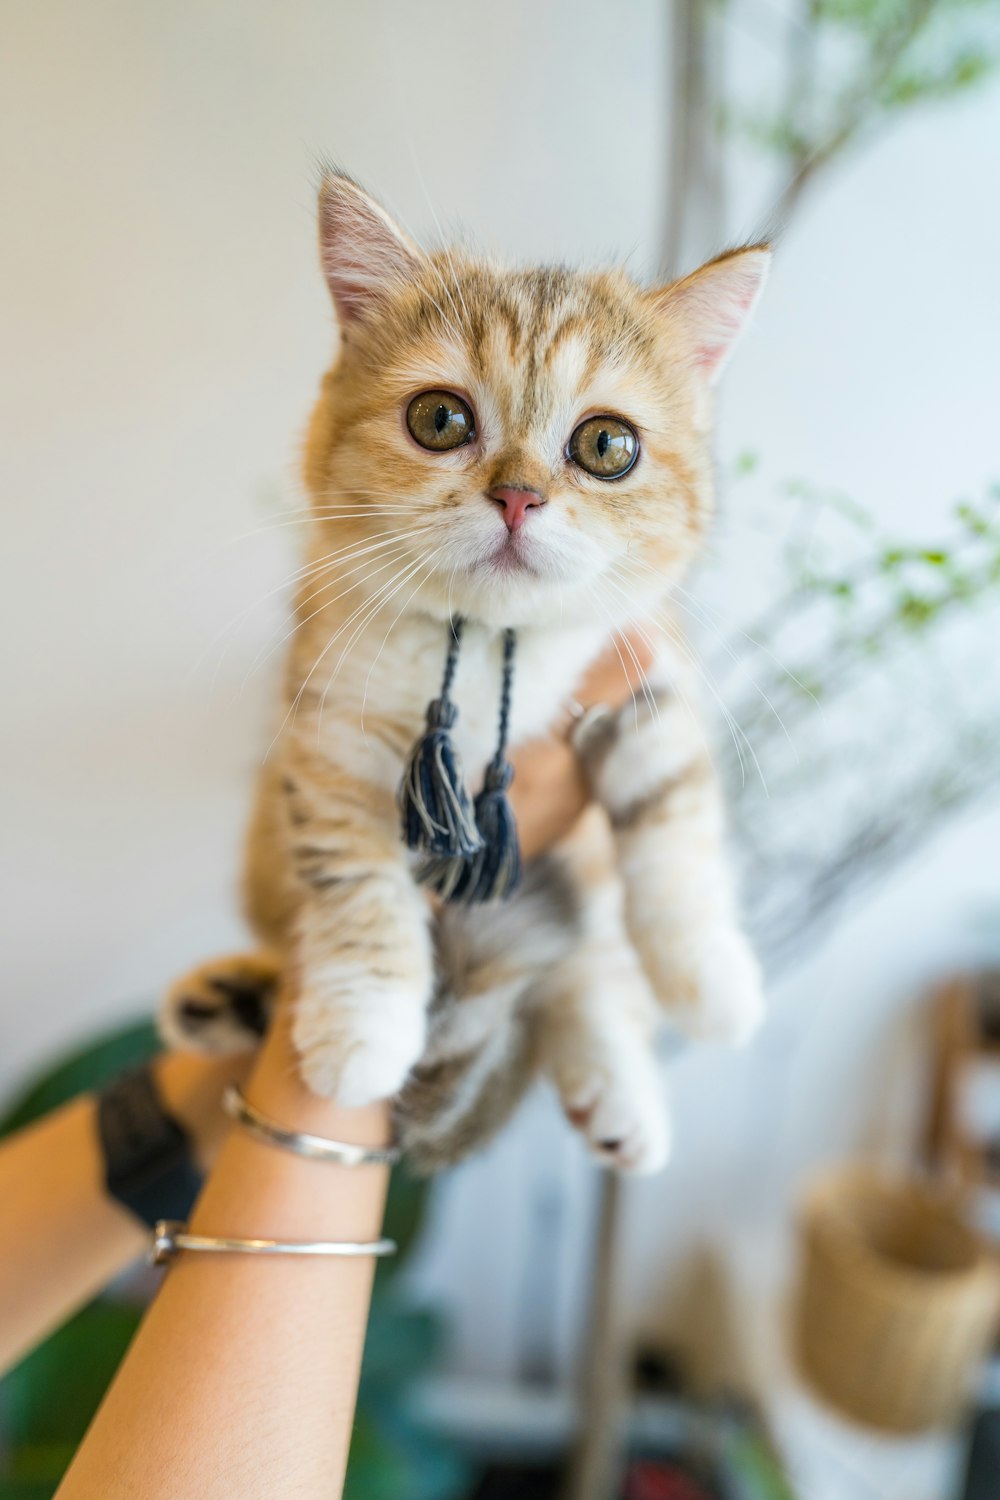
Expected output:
(597, 1458)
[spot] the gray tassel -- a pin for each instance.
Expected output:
(494, 871)
(437, 817)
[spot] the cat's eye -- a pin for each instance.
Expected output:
(606, 447)
(439, 420)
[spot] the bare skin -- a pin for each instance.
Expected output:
(243, 1377)
(61, 1237)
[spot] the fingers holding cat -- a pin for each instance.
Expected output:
(550, 788)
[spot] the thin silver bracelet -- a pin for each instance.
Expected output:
(170, 1237)
(315, 1146)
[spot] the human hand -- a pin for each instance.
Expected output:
(549, 791)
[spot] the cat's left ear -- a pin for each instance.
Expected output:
(365, 253)
(712, 307)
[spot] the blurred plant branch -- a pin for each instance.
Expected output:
(903, 56)
(845, 69)
(864, 704)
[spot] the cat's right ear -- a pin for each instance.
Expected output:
(710, 308)
(364, 252)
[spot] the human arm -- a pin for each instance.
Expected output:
(62, 1237)
(243, 1376)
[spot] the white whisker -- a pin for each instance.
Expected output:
(680, 644)
(399, 614)
(614, 641)
(785, 670)
(400, 538)
(647, 692)
(311, 518)
(292, 709)
(261, 657)
(324, 563)
(701, 620)
(362, 625)
(669, 630)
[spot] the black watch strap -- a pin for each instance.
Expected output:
(148, 1163)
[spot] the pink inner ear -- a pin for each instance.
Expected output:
(720, 300)
(363, 251)
(743, 300)
(709, 355)
(351, 295)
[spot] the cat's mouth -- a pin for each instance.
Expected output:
(513, 555)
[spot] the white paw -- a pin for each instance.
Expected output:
(360, 1050)
(729, 1002)
(618, 1103)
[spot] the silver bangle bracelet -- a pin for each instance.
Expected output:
(315, 1146)
(169, 1238)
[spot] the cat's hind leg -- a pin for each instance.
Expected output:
(222, 1006)
(597, 1048)
(482, 1038)
(651, 772)
(597, 1027)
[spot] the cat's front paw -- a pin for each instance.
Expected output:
(360, 1050)
(711, 989)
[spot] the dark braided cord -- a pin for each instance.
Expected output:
(506, 691)
(451, 660)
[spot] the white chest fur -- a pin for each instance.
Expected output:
(397, 680)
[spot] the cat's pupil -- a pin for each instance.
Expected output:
(440, 419)
(603, 442)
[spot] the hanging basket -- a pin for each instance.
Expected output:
(898, 1301)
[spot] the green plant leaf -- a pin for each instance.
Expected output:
(52, 1394)
(404, 1216)
(400, 1342)
(393, 1457)
(90, 1067)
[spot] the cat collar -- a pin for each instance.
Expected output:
(472, 851)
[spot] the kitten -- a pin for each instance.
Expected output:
(523, 449)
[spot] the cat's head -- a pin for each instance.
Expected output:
(516, 446)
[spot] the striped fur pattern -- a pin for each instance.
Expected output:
(453, 1014)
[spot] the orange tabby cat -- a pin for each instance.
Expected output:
(519, 448)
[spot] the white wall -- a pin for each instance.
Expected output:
(163, 327)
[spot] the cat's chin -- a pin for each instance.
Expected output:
(509, 598)
(516, 597)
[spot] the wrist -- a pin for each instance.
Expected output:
(276, 1087)
(258, 1189)
(191, 1089)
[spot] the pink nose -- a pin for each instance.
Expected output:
(516, 504)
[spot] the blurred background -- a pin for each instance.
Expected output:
(164, 325)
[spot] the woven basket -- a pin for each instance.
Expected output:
(898, 1302)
